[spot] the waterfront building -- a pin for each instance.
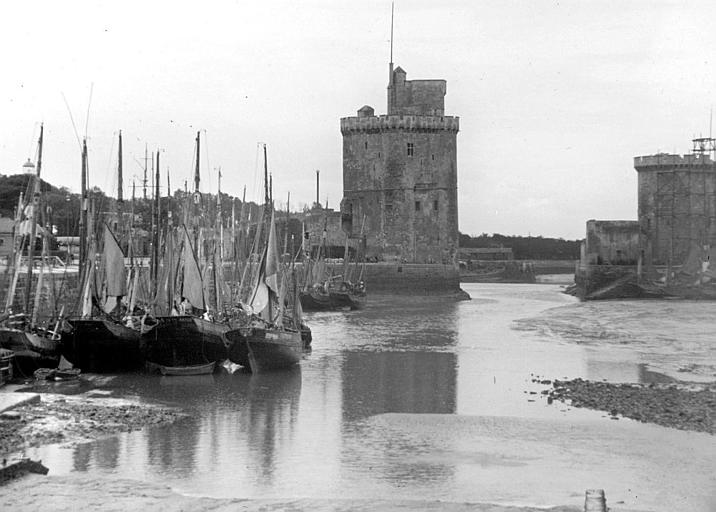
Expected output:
(677, 203)
(400, 174)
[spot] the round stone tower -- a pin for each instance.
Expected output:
(400, 174)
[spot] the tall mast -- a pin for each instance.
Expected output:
(285, 236)
(130, 241)
(35, 180)
(391, 92)
(120, 185)
(197, 195)
(146, 158)
(157, 211)
(196, 172)
(83, 208)
(266, 179)
(318, 188)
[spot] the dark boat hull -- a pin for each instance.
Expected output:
(186, 340)
(333, 301)
(99, 346)
(265, 349)
(32, 351)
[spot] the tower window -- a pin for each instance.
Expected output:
(433, 157)
(366, 144)
(435, 205)
(378, 154)
(411, 149)
(417, 206)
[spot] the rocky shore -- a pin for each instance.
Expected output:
(62, 419)
(681, 406)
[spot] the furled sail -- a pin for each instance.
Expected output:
(115, 271)
(192, 286)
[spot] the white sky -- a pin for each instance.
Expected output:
(555, 98)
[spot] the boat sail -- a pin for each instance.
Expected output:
(106, 336)
(34, 346)
(190, 328)
(271, 339)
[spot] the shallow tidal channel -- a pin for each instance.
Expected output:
(427, 399)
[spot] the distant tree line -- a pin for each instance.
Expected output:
(62, 207)
(526, 247)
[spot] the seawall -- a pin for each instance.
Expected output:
(410, 278)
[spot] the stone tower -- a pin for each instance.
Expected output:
(677, 209)
(400, 174)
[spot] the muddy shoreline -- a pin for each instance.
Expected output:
(102, 494)
(686, 406)
(68, 419)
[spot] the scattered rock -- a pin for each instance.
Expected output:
(685, 407)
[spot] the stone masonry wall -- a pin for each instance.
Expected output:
(390, 278)
(400, 175)
(677, 205)
(613, 242)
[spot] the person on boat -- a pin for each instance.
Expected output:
(119, 310)
(185, 307)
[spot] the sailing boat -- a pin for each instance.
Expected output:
(106, 336)
(34, 347)
(268, 342)
(324, 292)
(272, 337)
(190, 331)
(187, 334)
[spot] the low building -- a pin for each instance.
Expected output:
(612, 242)
(6, 235)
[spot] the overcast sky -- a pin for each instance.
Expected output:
(554, 98)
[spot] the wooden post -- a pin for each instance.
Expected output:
(595, 501)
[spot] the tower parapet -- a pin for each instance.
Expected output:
(375, 124)
(666, 160)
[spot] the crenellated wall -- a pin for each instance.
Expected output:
(376, 124)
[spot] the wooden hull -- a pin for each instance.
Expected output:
(99, 345)
(332, 301)
(265, 349)
(186, 341)
(32, 351)
(201, 369)
(346, 300)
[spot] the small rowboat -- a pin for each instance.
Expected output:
(199, 369)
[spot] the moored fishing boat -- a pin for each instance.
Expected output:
(262, 348)
(101, 340)
(191, 320)
(272, 337)
(34, 345)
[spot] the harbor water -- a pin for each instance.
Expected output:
(422, 398)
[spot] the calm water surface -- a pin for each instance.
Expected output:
(423, 398)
